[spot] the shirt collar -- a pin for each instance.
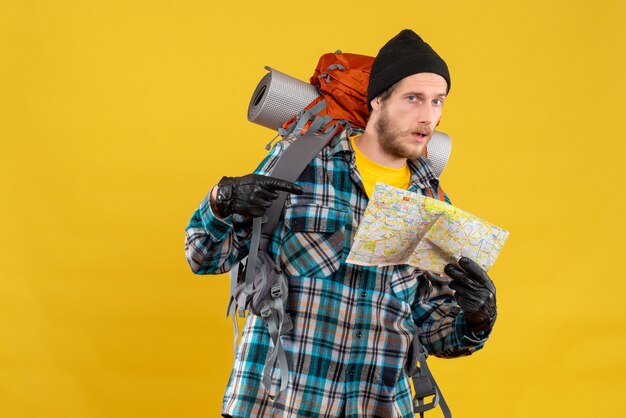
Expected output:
(422, 173)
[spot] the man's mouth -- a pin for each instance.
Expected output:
(420, 136)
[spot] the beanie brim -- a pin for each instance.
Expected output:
(404, 68)
(404, 55)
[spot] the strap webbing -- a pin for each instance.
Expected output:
(306, 116)
(250, 265)
(274, 327)
(318, 122)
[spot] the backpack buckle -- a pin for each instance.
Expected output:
(266, 311)
(276, 291)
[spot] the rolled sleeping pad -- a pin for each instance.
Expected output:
(278, 97)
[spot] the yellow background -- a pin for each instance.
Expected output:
(116, 117)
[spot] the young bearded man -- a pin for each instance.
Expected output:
(352, 325)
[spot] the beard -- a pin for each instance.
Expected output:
(390, 138)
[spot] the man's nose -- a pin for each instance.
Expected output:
(425, 114)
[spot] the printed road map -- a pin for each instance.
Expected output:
(401, 227)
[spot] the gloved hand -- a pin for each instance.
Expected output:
(475, 293)
(250, 195)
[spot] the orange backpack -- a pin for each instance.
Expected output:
(342, 82)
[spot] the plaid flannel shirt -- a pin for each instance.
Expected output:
(352, 324)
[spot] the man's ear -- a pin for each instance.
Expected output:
(375, 103)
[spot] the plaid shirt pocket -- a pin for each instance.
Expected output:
(314, 241)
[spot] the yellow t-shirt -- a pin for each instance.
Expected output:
(371, 173)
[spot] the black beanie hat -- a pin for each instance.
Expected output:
(404, 55)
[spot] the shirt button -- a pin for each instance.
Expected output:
(358, 334)
(363, 294)
(351, 372)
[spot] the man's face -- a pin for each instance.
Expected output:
(406, 120)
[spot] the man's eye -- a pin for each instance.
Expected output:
(438, 102)
(412, 98)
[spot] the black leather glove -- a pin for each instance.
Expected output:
(250, 195)
(475, 293)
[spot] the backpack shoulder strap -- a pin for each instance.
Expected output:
(289, 166)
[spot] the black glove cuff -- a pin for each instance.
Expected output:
(224, 196)
(476, 327)
(485, 321)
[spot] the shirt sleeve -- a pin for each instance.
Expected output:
(214, 245)
(442, 326)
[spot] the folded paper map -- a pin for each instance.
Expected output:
(402, 227)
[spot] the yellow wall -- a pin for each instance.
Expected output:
(117, 116)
